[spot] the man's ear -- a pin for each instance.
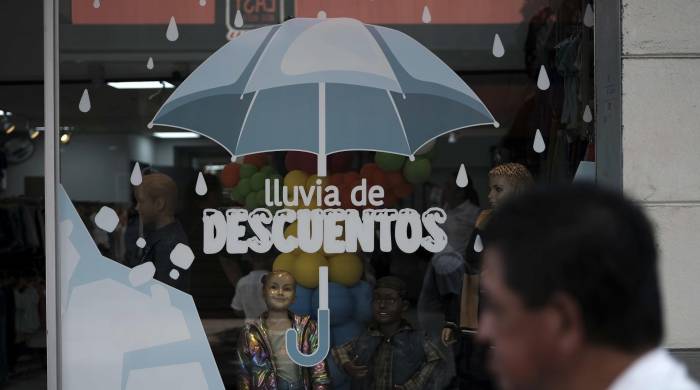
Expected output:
(405, 305)
(160, 204)
(565, 322)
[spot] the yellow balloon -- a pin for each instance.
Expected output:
(345, 269)
(285, 262)
(291, 230)
(295, 178)
(306, 269)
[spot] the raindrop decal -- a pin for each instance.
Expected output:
(426, 18)
(462, 177)
(96, 4)
(538, 144)
(589, 16)
(498, 49)
(136, 177)
(478, 245)
(587, 114)
(172, 33)
(149, 64)
(543, 79)
(202, 3)
(238, 20)
(141, 242)
(84, 104)
(201, 186)
(322, 14)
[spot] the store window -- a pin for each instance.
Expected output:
(230, 169)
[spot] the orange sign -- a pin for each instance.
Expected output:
(142, 11)
(412, 11)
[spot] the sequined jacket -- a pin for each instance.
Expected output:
(257, 369)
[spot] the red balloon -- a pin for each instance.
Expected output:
(336, 179)
(403, 190)
(340, 162)
(368, 169)
(230, 175)
(390, 199)
(351, 179)
(302, 161)
(394, 179)
(258, 159)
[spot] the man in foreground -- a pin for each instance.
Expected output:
(572, 295)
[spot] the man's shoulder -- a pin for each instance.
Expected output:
(656, 369)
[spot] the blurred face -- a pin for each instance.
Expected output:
(523, 343)
(146, 206)
(279, 291)
(387, 306)
(500, 188)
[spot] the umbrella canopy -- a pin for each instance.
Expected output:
(323, 86)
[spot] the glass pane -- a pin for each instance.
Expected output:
(190, 136)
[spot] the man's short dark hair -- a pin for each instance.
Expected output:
(592, 244)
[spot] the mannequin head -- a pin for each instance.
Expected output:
(506, 180)
(389, 303)
(156, 199)
(279, 290)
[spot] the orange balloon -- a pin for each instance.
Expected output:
(258, 159)
(230, 175)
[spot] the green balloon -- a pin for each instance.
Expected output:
(418, 171)
(389, 161)
(247, 170)
(260, 198)
(257, 181)
(251, 201)
(236, 195)
(243, 187)
(267, 170)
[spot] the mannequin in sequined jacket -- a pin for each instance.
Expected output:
(264, 362)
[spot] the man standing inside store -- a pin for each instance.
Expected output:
(573, 300)
(156, 201)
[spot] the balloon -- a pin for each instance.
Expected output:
(340, 303)
(394, 179)
(311, 181)
(367, 170)
(267, 170)
(362, 293)
(260, 198)
(352, 179)
(247, 170)
(340, 162)
(257, 181)
(389, 161)
(345, 269)
(236, 195)
(302, 302)
(306, 269)
(230, 175)
(418, 171)
(403, 190)
(243, 187)
(251, 201)
(390, 199)
(294, 179)
(302, 161)
(377, 178)
(336, 179)
(259, 160)
(284, 262)
(338, 376)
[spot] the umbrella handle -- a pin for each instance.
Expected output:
(321, 158)
(323, 329)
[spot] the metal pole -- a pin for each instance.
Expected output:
(321, 158)
(51, 180)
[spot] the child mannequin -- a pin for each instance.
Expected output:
(390, 354)
(263, 357)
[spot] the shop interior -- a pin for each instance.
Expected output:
(100, 147)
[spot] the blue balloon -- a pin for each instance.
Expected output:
(362, 294)
(346, 332)
(340, 303)
(302, 303)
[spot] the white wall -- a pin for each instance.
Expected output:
(661, 145)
